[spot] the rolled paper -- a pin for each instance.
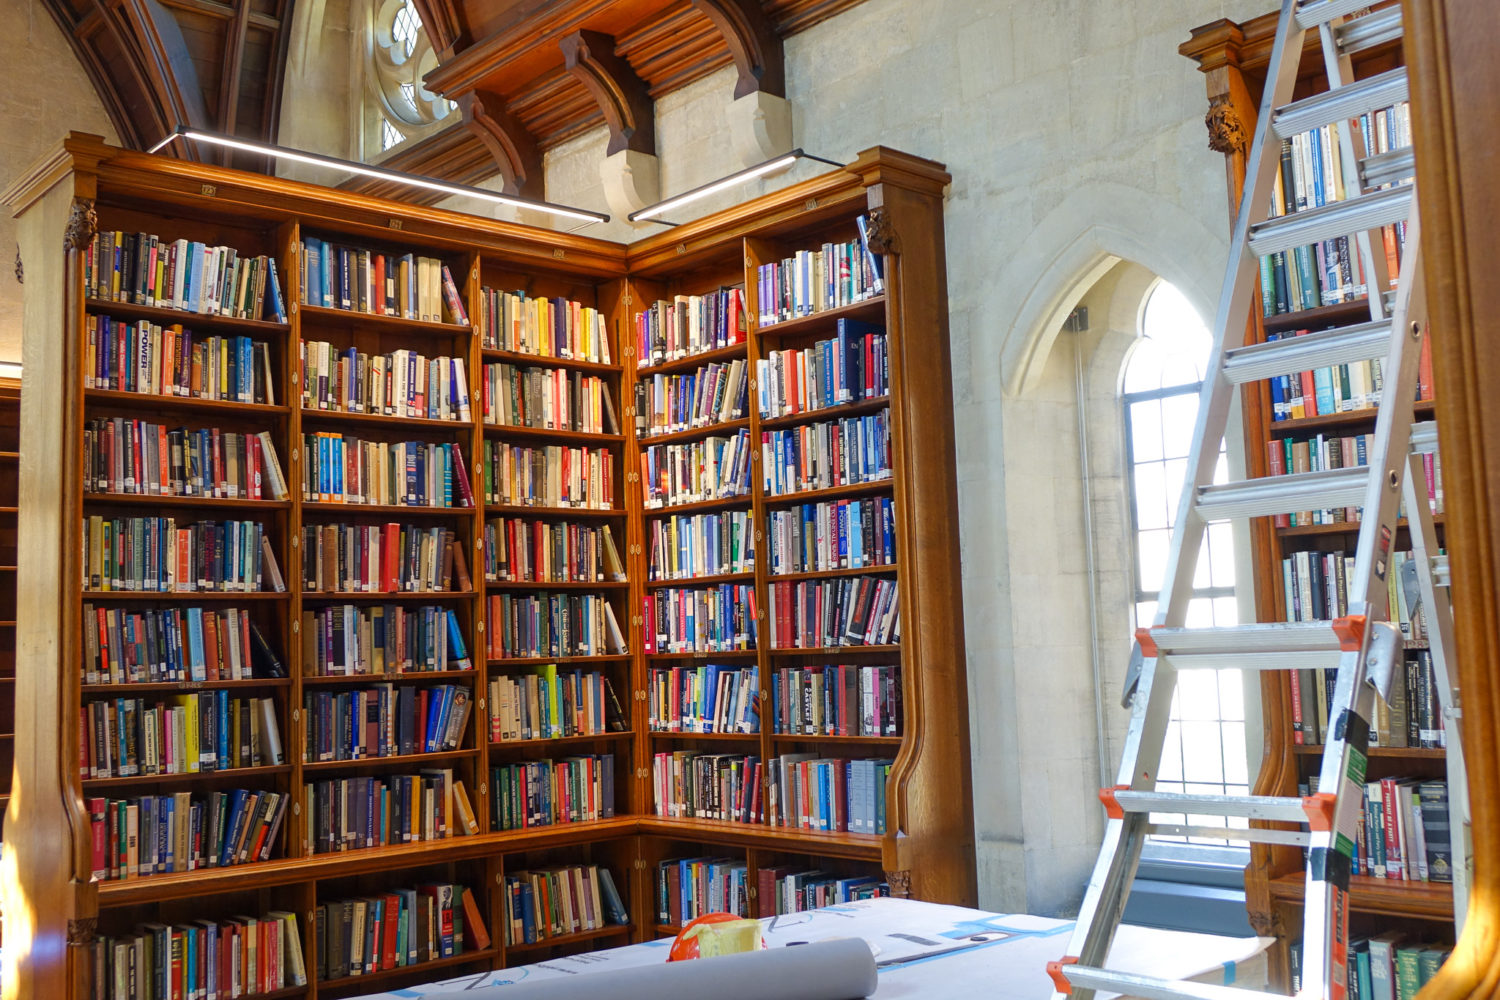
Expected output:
(829, 970)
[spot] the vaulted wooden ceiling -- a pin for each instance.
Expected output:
(526, 74)
(213, 64)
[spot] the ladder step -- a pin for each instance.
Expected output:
(1284, 494)
(1341, 104)
(1352, 215)
(1315, 12)
(1265, 646)
(1424, 438)
(1231, 834)
(1388, 168)
(1366, 32)
(1274, 808)
(1441, 576)
(1314, 350)
(1152, 988)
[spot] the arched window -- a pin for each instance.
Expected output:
(1205, 750)
(399, 55)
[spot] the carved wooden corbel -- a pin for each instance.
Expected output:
(20, 273)
(83, 221)
(753, 44)
(880, 235)
(1226, 132)
(508, 142)
(900, 883)
(621, 95)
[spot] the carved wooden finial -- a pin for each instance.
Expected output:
(879, 233)
(900, 883)
(1226, 131)
(82, 223)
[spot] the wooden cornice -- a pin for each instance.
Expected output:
(589, 57)
(1247, 46)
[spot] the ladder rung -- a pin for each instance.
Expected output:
(1440, 572)
(1314, 350)
(1152, 988)
(1366, 32)
(1424, 438)
(1232, 834)
(1316, 12)
(1284, 494)
(1260, 637)
(1341, 103)
(1352, 215)
(1387, 168)
(1274, 808)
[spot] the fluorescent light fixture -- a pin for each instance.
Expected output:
(10, 369)
(414, 180)
(770, 166)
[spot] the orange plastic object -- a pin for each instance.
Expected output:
(1148, 644)
(1319, 809)
(1060, 978)
(1351, 632)
(1111, 804)
(686, 945)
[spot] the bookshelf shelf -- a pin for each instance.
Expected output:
(724, 654)
(381, 419)
(386, 596)
(191, 503)
(613, 930)
(692, 362)
(1338, 528)
(1321, 316)
(658, 734)
(537, 661)
(406, 677)
(543, 361)
(557, 585)
(1424, 410)
(699, 581)
(152, 401)
(557, 741)
(1404, 753)
(697, 433)
(395, 761)
(1388, 897)
(564, 513)
(871, 309)
(545, 434)
(212, 322)
(175, 687)
(188, 596)
(877, 488)
(874, 741)
(700, 506)
(825, 574)
(856, 846)
(392, 509)
(323, 316)
(855, 409)
(884, 650)
(421, 971)
(251, 774)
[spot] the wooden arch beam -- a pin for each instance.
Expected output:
(509, 144)
(753, 44)
(621, 95)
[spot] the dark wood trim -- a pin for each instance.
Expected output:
(512, 149)
(589, 57)
(753, 44)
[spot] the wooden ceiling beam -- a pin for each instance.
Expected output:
(233, 61)
(622, 97)
(510, 145)
(753, 44)
(445, 25)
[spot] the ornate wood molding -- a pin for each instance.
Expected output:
(880, 234)
(589, 57)
(900, 883)
(753, 44)
(1226, 132)
(83, 222)
(513, 149)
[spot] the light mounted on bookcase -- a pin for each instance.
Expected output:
(365, 169)
(10, 369)
(651, 212)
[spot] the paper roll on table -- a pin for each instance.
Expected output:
(828, 970)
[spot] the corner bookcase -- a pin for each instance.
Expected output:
(88, 188)
(1233, 58)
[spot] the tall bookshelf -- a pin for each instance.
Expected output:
(926, 849)
(1233, 58)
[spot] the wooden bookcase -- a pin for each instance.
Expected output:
(10, 460)
(87, 186)
(1233, 59)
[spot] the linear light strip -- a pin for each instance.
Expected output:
(413, 180)
(714, 187)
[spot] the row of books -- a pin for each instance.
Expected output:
(713, 468)
(124, 455)
(380, 284)
(556, 902)
(158, 834)
(211, 959)
(810, 281)
(1389, 966)
(844, 699)
(711, 698)
(688, 325)
(401, 384)
(794, 891)
(846, 369)
(547, 398)
(714, 394)
(1311, 175)
(800, 791)
(548, 328)
(164, 645)
(685, 546)
(382, 558)
(397, 929)
(833, 534)
(149, 359)
(1316, 588)
(154, 554)
(148, 270)
(850, 611)
(545, 792)
(1411, 714)
(712, 619)
(342, 468)
(548, 476)
(192, 733)
(550, 625)
(518, 549)
(823, 455)
(384, 721)
(350, 814)
(546, 702)
(687, 888)
(348, 640)
(1321, 452)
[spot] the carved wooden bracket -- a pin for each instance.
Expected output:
(1226, 132)
(512, 147)
(83, 221)
(753, 44)
(82, 931)
(879, 233)
(621, 95)
(20, 273)
(900, 883)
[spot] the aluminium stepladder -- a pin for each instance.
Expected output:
(1363, 645)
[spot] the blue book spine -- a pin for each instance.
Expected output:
(195, 644)
(1323, 385)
